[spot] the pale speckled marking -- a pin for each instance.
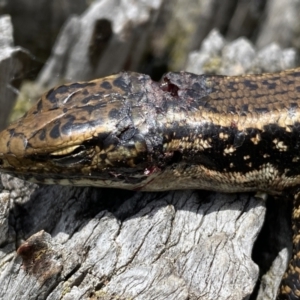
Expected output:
(223, 136)
(256, 139)
(229, 150)
(280, 145)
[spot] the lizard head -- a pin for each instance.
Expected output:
(83, 131)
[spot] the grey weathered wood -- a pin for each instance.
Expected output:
(37, 23)
(238, 57)
(130, 25)
(11, 63)
(281, 24)
(87, 241)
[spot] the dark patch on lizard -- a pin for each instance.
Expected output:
(252, 85)
(55, 132)
(73, 127)
(121, 83)
(106, 85)
(95, 96)
(65, 128)
(232, 86)
(293, 105)
(91, 108)
(39, 107)
(296, 73)
(103, 156)
(271, 85)
(114, 114)
(85, 92)
(54, 95)
(261, 110)
(42, 134)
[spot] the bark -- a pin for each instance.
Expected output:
(13, 62)
(109, 37)
(108, 244)
(36, 24)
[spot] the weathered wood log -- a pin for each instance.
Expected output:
(109, 37)
(109, 243)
